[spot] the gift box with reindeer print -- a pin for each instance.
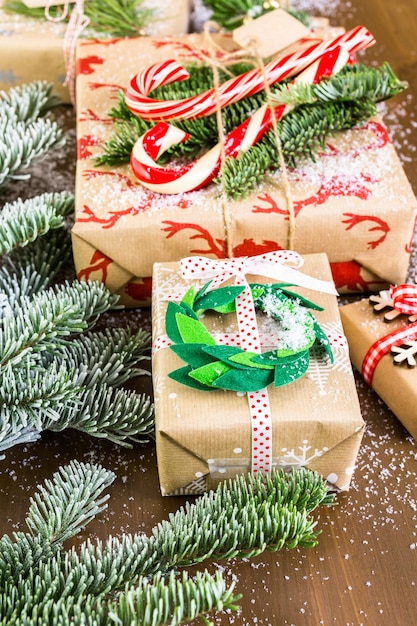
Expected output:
(353, 201)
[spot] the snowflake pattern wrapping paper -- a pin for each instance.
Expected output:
(203, 438)
(395, 384)
(354, 203)
(32, 49)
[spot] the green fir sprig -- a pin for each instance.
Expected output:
(25, 221)
(25, 130)
(112, 18)
(233, 13)
(135, 578)
(49, 382)
(57, 373)
(336, 103)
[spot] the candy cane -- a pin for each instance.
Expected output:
(234, 89)
(149, 147)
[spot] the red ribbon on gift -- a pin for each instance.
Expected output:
(404, 298)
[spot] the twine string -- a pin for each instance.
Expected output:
(78, 21)
(215, 66)
(283, 167)
(248, 54)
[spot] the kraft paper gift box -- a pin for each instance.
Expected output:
(354, 203)
(205, 437)
(32, 49)
(395, 384)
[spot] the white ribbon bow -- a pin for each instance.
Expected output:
(270, 265)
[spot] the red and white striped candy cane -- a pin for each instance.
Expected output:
(236, 88)
(150, 146)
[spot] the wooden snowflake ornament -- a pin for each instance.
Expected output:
(384, 300)
(404, 353)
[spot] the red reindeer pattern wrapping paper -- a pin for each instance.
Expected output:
(32, 49)
(354, 202)
(395, 384)
(204, 437)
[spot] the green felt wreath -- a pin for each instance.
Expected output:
(211, 366)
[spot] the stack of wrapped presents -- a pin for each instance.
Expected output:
(238, 181)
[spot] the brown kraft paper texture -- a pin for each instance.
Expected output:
(205, 437)
(354, 203)
(395, 384)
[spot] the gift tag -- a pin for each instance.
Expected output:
(271, 32)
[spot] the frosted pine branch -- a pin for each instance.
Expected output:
(353, 82)
(119, 415)
(68, 502)
(129, 579)
(26, 133)
(49, 317)
(24, 221)
(25, 103)
(31, 269)
(22, 143)
(110, 356)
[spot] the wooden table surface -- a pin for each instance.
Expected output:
(364, 569)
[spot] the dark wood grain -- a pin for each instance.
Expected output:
(364, 570)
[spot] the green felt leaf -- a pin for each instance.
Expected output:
(257, 290)
(203, 290)
(247, 358)
(208, 374)
(280, 291)
(182, 376)
(193, 331)
(254, 380)
(224, 353)
(271, 357)
(286, 352)
(189, 297)
(171, 326)
(291, 369)
(323, 340)
(187, 310)
(303, 301)
(192, 353)
(222, 300)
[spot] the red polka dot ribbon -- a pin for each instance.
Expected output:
(271, 265)
(404, 299)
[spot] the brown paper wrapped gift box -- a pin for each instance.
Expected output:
(32, 49)
(395, 384)
(354, 203)
(204, 437)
